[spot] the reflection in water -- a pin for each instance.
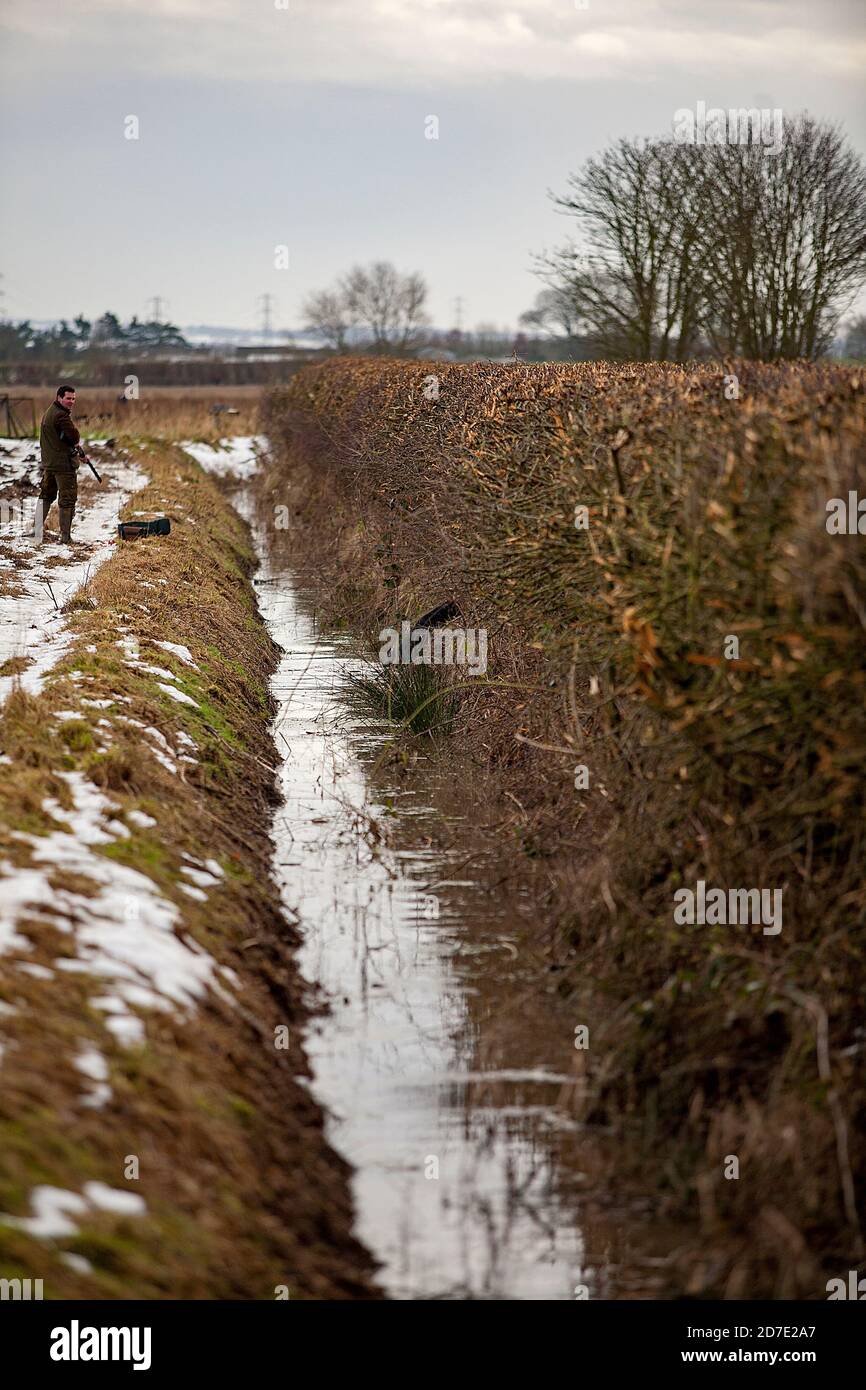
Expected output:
(454, 1187)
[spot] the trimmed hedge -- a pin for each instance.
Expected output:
(705, 632)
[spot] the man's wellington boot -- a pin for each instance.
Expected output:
(66, 515)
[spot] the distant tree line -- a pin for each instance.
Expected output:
(378, 309)
(715, 249)
(22, 342)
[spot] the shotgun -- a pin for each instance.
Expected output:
(81, 454)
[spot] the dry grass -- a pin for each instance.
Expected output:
(161, 412)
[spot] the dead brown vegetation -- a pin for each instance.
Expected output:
(706, 519)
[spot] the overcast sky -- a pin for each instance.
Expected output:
(303, 123)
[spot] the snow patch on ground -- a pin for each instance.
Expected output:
(195, 893)
(37, 972)
(177, 650)
(93, 1065)
(179, 695)
(200, 877)
(153, 670)
(161, 749)
(235, 457)
(125, 933)
(53, 1208)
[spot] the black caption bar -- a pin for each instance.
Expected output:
(160, 1338)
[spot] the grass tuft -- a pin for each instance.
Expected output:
(416, 698)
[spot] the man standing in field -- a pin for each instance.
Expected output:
(58, 440)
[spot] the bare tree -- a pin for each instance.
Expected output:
(740, 247)
(327, 314)
(388, 304)
(635, 281)
(553, 312)
(377, 298)
(785, 253)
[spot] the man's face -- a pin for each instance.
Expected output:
(67, 399)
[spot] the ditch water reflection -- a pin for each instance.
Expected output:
(436, 1080)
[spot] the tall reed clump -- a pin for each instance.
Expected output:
(414, 698)
(650, 545)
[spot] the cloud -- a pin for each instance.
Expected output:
(412, 42)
